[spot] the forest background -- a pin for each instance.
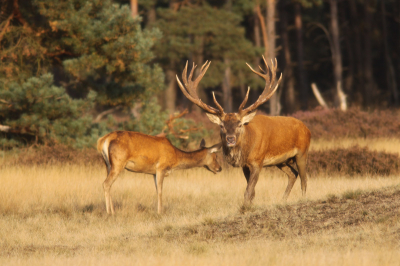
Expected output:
(72, 71)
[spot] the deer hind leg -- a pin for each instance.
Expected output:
(251, 173)
(111, 177)
(292, 176)
(301, 162)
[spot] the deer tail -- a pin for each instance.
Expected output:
(102, 147)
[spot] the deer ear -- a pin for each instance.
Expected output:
(247, 118)
(214, 118)
(216, 147)
(202, 143)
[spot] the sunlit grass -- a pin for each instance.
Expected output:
(56, 216)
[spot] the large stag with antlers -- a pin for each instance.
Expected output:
(142, 153)
(253, 142)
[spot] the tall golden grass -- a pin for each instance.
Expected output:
(56, 216)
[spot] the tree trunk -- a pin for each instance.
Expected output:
(170, 92)
(368, 72)
(290, 98)
(270, 50)
(134, 8)
(151, 16)
(390, 72)
(259, 30)
(357, 48)
(226, 84)
(302, 83)
(336, 54)
(226, 87)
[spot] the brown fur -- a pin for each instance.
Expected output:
(142, 153)
(266, 141)
(252, 142)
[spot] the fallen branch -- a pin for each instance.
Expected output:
(318, 96)
(4, 128)
(342, 97)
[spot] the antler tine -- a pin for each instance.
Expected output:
(221, 110)
(269, 88)
(243, 104)
(184, 74)
(191, 72)
(189, 90)
(201, 69)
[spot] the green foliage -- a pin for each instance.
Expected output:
(110, 52)
(38, 111)
(98, 55)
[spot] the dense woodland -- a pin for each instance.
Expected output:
(73, 70)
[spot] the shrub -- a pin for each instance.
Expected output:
(354, 161)
(54, 155)
(354, 123)
(153, 121)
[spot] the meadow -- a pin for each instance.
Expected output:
(55, 215)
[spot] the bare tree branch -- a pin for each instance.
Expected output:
(104, 113)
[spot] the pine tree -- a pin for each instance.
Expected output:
(39, 112)
(103, 49)
(98, 55)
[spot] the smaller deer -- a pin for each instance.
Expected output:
(142, 153)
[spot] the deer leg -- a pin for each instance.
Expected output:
(301, 162)
(249, 194)
(292, 176)
(111, 177)
(246, 172)
(159, 178)
(155, 182)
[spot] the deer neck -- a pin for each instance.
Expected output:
(236, 156)
(192, 159)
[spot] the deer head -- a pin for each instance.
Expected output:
(211, 160)
(232, 124)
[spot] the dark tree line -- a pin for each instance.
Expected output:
(350, 45)
(66, 66)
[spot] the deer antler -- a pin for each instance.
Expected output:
(169, 125)
(268, 91)
(190, 89)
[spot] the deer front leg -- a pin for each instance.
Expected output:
(159, 179)
(251, 173)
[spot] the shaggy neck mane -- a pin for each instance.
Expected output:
(234, 155)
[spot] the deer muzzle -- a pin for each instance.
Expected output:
(231, 141)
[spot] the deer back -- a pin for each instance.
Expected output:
(139, 152)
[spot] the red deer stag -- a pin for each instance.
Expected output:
(142, 153)
(253, 142)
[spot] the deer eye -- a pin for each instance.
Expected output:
(240, 125)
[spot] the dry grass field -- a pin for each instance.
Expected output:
(56, 215)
